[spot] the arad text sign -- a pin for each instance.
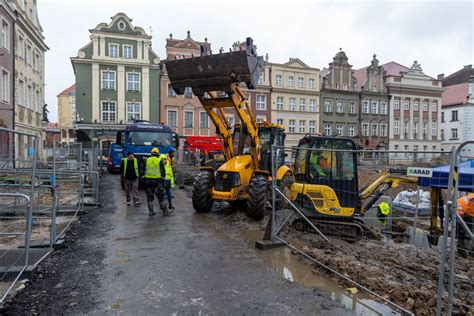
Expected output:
(420, 172)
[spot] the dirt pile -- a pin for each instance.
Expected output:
(402, 273)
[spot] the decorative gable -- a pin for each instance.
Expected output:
(188, 106)
(120, 23)
(296, 63)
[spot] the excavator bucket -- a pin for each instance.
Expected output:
(215, 72)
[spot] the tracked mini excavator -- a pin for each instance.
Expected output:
(244, 178)
(327, 187)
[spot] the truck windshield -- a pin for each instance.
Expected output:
(145, 138)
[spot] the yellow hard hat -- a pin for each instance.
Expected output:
(155, 150)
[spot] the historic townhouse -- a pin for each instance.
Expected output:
(29, 75)
(295, 98)
(184, 113)
(415, 107)
(339, 115)
(67, 114)
(117, 81)
(457, 112)
(7, 78)
(374, 100)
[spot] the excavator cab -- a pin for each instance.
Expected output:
(271, 135)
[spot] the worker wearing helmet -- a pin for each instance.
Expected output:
(170, 169)
(465, 209)
(155, 174)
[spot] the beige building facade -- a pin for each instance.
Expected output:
(295, 92)
(67, 114)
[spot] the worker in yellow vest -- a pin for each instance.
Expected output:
(129, 174)
(383, 211)
(169, 179)
(465, 209)
(154, 178)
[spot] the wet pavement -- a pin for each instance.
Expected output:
(126, 262)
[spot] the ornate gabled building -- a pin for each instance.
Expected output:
(117, 81)
(374, 100)
(184, 113)
(339, 114)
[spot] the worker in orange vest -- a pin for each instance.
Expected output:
(465, 209)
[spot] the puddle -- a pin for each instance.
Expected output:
(290, 267)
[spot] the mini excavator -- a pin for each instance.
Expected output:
(245, 176)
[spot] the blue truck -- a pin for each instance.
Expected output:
(140, 138)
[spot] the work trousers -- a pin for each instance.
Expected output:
(131, 190)
(168, 192)
(155, 187)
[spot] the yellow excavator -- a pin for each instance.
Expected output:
(327, 186)
(245, 176)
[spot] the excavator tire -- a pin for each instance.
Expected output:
(285, 187)
(257, 197)
(201, 197)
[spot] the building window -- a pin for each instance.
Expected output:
(415, 130)
(188, 92)
(425, 127)
(280, 121)
(37, 62)
(38, 100)
(29, 97)
(396, 104)
(29, 54)
(261, 102)
(383, 130)
(260, 118)
(127, 51)
(5, 86)
(108, 111)
(188, 119)
(406, 105)
(113, 50)
(312, 127)
(352, 107)
(302, 104)
(442, 117)
(365, 106)
(291, 126)
(290, 81)
(375, 107)
(172, 114)
(396, 127)
(406, 128)
(261, 78)
(133, 81)
(171, 92)
(351, 130)
(454, 116)
(365, 129)
(300, 82)
(312, 105)
(327, 105)
(5, 35)
(383, 108)
(292, 104)
(279, 80)
(415, 106)
(203, 120)
(279, 103)
(21, 46)
(108, 80)
(21, 92)
(302, 126)
(133, 111)
(434, 128)
(340, 106)
(312, 84)
(374, 130)
(434, 106)
(454, 133)
(442, 134)
(327, 129)
(340, 130)
(425, 106)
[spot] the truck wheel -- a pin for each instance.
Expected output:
(202, 200)
(285, 187)
(257, 197)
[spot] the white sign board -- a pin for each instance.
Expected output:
(420, 172)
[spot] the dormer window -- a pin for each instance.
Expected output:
(113, 50)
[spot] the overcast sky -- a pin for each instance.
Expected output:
(439, 34)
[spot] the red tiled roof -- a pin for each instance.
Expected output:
(361, 76)
(394, 69)
(68, 90)
(456, 94)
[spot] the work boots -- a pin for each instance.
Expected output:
(164, 208)
(150, 209)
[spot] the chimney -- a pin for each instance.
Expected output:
(440, 76)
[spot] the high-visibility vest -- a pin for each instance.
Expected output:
(152, 170)
(315, 163)
(384, 208)
(466, 205)
(169, 172)
(135, 165)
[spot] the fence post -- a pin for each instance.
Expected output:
(272, 151)
(416, 212)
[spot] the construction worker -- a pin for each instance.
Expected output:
(318, 164)
(170, 170)
(129, 173)
(383, 211)
(155, 174)
(465, 209)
